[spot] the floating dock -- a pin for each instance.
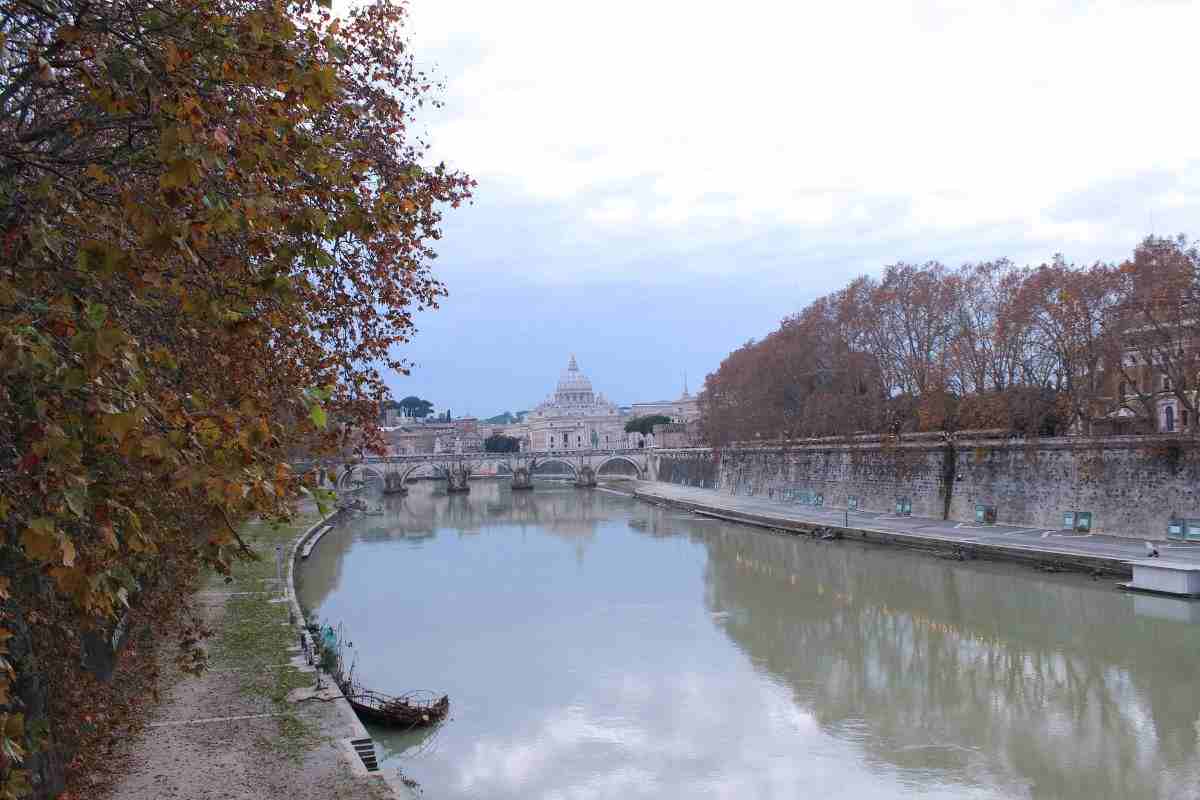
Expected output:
(1177, 578)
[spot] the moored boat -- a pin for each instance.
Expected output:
(406, 711)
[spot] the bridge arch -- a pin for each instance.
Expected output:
(360, 472)
(637, 468)
(412, 470)
(566, 462)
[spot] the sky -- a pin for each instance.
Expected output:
(661, 181)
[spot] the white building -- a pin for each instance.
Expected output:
(684, 409)
(575, 417)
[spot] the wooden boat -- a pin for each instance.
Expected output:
(397, 712)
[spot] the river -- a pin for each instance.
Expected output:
(598, 647)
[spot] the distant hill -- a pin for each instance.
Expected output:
(507, 418)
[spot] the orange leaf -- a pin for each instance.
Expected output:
(97, 173)
(68, 553)
(39, 540)
(109, 535)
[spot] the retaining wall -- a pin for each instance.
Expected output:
(1132, 485)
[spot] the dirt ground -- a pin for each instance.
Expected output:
(248, 728)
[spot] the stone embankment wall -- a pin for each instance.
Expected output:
(1132, 485)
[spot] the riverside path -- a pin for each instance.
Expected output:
(1039, 546)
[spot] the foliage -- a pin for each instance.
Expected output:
(1034, 350)
(1156, 317)
(645, 425)
(416, 407)
(215, 224)
(499, 443)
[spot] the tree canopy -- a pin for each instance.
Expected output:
(1033, 350)
(216, 225)
(645, 425)
(499, 443)
(416, 407)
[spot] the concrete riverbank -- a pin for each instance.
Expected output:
(251, 726)
(1041, 547)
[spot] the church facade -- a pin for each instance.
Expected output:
(575, 417)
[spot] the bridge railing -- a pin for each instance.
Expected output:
(486, 456)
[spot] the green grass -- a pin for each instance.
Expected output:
(255, 635)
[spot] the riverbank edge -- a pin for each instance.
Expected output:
(1028, 556)
(393, 783)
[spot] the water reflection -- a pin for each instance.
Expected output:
(596, 647)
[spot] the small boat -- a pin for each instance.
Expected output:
(397, 712)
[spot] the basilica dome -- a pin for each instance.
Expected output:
(574, 388)
(574, 397)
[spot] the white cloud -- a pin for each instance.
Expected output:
(769, 151)
(765, 113)
(687, 740)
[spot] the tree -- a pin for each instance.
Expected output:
(914, 311)
(499, 443)
(645, 425)
(1153, 336)
(929, 348)
(416, 407)
(215, 227)
(1065, 309)
(989, 343)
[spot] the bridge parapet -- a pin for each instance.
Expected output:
(445, 465)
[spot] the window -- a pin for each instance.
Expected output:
(1169, 419)
(1124, 390)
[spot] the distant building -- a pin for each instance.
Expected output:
(390, 414)
(574, 417)
(458, 441)
(1138, 396)
(684, 409)
(409, 440)
(676, 434)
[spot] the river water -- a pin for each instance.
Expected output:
(598, 647)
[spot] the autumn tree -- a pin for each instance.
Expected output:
(914, 308)
(1066, 309)
(216, 226)
(989, 343)
(1153, 343)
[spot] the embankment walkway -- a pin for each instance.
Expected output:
(251, 727)
(1038, 546)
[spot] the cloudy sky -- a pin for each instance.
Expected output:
(661, 181)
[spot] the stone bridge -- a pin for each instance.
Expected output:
(395, 471)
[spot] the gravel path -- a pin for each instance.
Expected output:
(250, 727)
